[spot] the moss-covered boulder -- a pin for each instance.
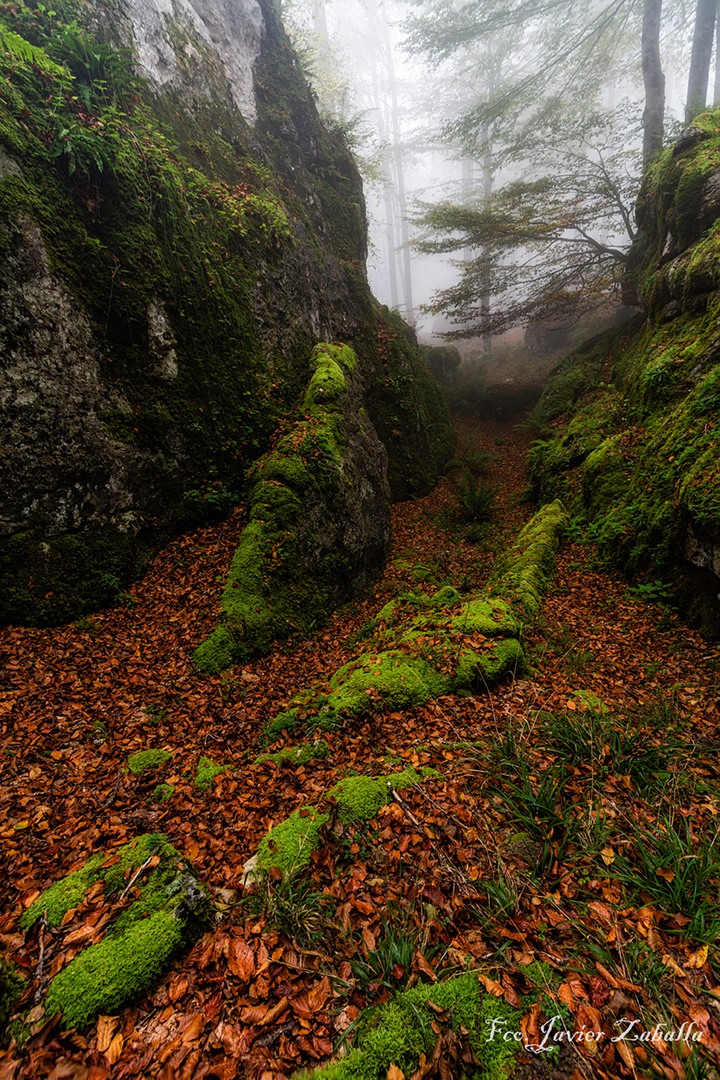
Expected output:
(319, 519)
(429, 645)
(166, 909)
(523, 574)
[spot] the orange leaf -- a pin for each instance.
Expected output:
(105, 1030)
(491, 986)
(115, 1048)
(394, 1073)
(277, 1010)
(697, 959)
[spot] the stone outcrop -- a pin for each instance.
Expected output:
(172, 248)
(319, 519)
(634, 447)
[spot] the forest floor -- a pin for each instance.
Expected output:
(584, 839)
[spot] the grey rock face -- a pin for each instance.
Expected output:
(61, 468)
(231, 29)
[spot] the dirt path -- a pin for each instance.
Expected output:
(76, 701)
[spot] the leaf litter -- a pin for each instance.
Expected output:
(539, 859)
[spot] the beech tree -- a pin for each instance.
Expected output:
(553, 236)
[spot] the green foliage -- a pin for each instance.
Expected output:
(680, 872)
(538, 805)
(12, 985)
(475, 497)
(389, 964)
(292, 905)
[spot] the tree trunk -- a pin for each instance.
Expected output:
(705, 13)
(653, 79)
(487, 193)
(716, 91)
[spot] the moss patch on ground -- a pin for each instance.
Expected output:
(167, 911)
(207, 770)
(146, 760)
(289, 845)
(398, 1032)
(298, 755)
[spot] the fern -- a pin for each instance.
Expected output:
(21, 51)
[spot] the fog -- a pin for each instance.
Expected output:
(412, 122)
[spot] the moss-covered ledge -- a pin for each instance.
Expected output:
(319, 519)
(426, 646)
(289, 845)
(166, 910)
(522, 576)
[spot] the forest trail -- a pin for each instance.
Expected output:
(589, 794)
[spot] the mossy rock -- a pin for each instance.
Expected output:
(169, 911)
(524, 573)
(399, 679)
(360, 798)
(147, 760)
(289, 845)
(298, 755)
(318, 520)
(397, 1032)
(207, 770)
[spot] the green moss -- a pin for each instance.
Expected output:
(524, 572)
(290, 844)
(207, 770)
(278, 582)
(298, 755)
(145, 760)
(64, 894)
(163, 792)
(169, 909)
(399, 679)
(362, 797)
(483, 669)
(399, 1031)
(12, 985)
(492, 617)
(108, 976)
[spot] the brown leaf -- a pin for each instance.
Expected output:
(272, 1014)
(115, 1048)
(394, 1073)
(69, 1070)
(422, 965)
(319, 994)
(626, 1053)
(241, 958)
(491, 985)
(106, 1026)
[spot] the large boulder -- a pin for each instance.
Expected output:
(319, 519)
